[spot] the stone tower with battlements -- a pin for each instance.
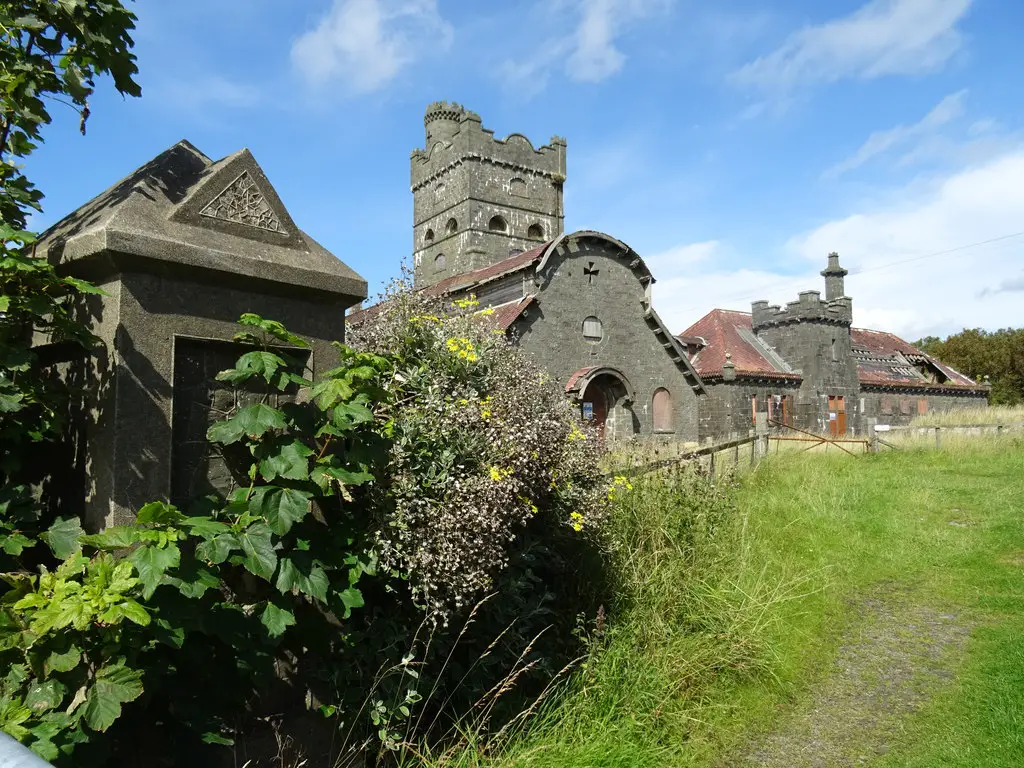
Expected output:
(813, 335)
(478, 200)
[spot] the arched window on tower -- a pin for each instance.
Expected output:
(662, 406)
(428, 236)
(517, 188)
(451, 227)
(497, 224)
(439, 261)
(536, 231)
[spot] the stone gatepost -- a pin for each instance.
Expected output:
(181, 248)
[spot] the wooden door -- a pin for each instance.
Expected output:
(595, 409)
(836, 415)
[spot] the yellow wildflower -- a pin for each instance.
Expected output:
(576, 521)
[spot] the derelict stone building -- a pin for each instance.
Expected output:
(488, 221)
(806, 366)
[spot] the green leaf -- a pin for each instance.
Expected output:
(260, 557)
(352, 598)
(324, 476)
(217, 550)
(115, 685)
(253, 420)
(45, 748)
(62, 537)
(135, 613)
(159, 513)
(115, 537)
(288, 460)
(205, 527)
(16, 543)
(152, 562)
(274, 328)
(277, 619)
(45, 696)
(215, 738)
(329, 392)
(63, 661)
(282, 507)
(299, 573)
(257, 363)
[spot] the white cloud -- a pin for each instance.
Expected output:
(945, 111)
(365, 44)
(589, 50)
(670, 262)
(883, 37)
(918, 267)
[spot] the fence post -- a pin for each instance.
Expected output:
(761, 433)
(711, 468)
(872, 437)
(938, 438)
(999, 429)
(736, 456)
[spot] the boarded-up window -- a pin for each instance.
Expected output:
(753, 409)
(592, 329)
(887, 406)
(905, 406)
(922, 406)
(780, 409)
(662, 410)
(517, 187)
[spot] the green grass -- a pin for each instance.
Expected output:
(734, 604)
(995, 414)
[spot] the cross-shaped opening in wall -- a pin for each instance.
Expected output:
(590, 272)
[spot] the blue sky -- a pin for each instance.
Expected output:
(733, 143)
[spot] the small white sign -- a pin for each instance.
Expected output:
(881, 427)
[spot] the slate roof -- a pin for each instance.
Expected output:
(184, 210)
(883, 359)
(467, 280)
(722, 331)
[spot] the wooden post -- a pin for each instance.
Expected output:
(999, 429)
(872, 437)
(938, 438)
(736, 456)
(711, 468)
(761, 432)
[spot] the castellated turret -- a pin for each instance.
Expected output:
(813, 335)
(476, 199)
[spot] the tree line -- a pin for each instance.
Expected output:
(995, 356)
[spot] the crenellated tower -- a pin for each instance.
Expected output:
(476, 199)
(813, 335)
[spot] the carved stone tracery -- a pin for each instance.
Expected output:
(242, 202)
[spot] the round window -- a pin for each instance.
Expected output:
(439, 260)
(592, 329)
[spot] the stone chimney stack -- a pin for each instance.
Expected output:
(834, 274)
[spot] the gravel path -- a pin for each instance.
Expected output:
(895, 659)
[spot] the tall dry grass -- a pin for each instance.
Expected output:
(995, 414)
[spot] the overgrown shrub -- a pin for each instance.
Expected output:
(371, 514)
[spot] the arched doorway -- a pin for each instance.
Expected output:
(604, 399)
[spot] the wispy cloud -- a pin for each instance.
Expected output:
(883, 37)
(879, 142)
(365, 44)
(590, 49)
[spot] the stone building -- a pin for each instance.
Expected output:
(478, 199)
(181, 247)
(809, 368)
(488, 221)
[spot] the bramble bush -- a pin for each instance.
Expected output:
(399, 489)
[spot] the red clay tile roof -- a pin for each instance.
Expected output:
(507, 313)
(720, 330)
(570, 385)
(884, 358)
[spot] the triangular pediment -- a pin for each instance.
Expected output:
(235, 197)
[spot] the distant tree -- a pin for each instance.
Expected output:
(997, 355)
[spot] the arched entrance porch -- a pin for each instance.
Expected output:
(605, 397)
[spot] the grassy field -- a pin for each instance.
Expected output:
(736, 604)
(996, 414)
